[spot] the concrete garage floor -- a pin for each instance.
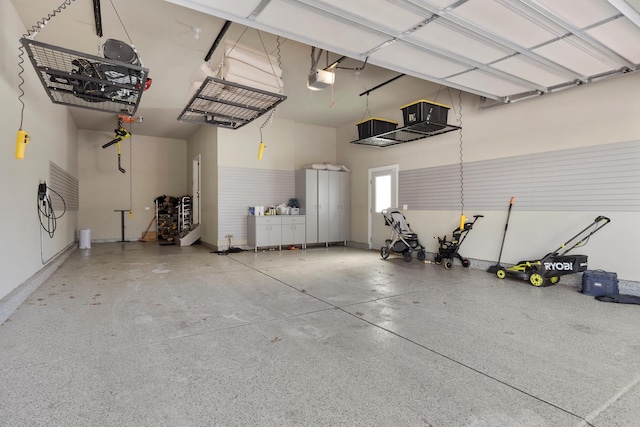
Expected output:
(140, 335)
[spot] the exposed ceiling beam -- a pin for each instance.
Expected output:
(258, 9)
(457, 23)
(610, 56)
(627, 10)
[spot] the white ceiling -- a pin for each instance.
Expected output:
(503, 50)
(500, 49)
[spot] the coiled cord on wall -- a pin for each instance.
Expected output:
(30, 35)
(46, 210)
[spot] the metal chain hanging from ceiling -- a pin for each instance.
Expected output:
(458, 115)
(131, 171)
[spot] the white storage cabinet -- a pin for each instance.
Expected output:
(275, 230)
(264, 231)
(293, 230)
(325, 200)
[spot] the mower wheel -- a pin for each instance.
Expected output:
(447, 264)
(466, 263)
(407, 256)
(422, 255)
(501, 274)
(384, 252)
(553, 280)
(536, 279)
(438, 259)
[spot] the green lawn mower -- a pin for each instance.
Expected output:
(547, 270)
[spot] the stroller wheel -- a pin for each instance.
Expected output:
(536, 279)
(466, 263)
(438, 259)
(384, 252)
(422, 255)
(447, 264)
(407, 256)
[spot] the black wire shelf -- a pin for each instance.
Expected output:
(80, 80)
(227, 104)
(406, 134)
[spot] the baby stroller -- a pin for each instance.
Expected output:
(403, 240)
(448, 249)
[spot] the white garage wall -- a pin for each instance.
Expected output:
(53, 138)
(244, 180)
(593, 115)
(204, 142)
(159, 168)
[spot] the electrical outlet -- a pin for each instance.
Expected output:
(405, 207)
(146, 208)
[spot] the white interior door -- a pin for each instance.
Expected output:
(195, 202)
(383, 194)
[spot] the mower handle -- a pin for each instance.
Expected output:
(596, 226)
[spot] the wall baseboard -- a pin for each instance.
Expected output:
(15, 298)
(207, 245)
(358, 245)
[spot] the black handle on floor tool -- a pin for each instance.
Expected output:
(505, 229)
(597, 223)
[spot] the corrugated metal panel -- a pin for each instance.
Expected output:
(66, 186)
(583, 179)
(240, 188)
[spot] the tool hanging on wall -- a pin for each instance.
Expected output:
(21, 143)
(121, 134)
(262, 147)
(23, 138)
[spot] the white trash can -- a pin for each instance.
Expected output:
(85, 239)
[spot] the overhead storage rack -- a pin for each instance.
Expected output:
(85, 81)
(406, 134)
(227, 104)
